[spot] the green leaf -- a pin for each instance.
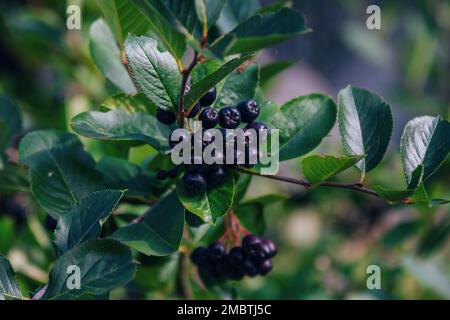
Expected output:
(120, 174)
(400, 233)
(107, 56)
(262, 31)
(208, 11)
(321, 168)
(268, 111)
(7, 233)
(365, 123)
(104, 265)
(303, 123)
(235, 12)
(251, 216)
(394, 195)
(160, 19)
(14, 179)
(82, 223)
(271, 70)
(123, 18)
(9, 289)
(10, 122)
(211, 204)
(238, 86)
(61, 172)
(182, 15)
(131, 104)
(160, 231)
(276, 6)
(155, 73)
(121, 125)
(425, 141)
(199, 89)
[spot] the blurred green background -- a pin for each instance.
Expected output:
(327, 238)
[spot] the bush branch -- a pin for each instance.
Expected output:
(184, 82)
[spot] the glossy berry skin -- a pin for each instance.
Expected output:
(216, 251)
(165, 117)
(256, 125)
(162, 175)
(230, 118)
(250, 268)
(209, 118)
(200, 256)
(195, 111)
(209, 98)
(265, 267)
(272, 247)
(216, 177)
(249, 110)
(195, 183)
(250, 241)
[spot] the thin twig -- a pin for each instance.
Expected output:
(307, 185)
(183, 285)
(186, 75)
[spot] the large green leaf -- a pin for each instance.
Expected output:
(121, 125)
(303, 123)
(160, 231)
(104, 265)
(425, 141)
(155, 73)
(123, 18)
(132, 104)
(10, 123)
(235, 12)
(238, 86)
(199, 89)
(208, 11)
(9, 289)
(107, 56)
(321, 168)
(61, 172)
(82, 223)
(13, 179)
(365, 123)
(119, 174)
(161, 21)
(262, 31)
(182, 15)
(212, 203)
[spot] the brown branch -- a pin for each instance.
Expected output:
(183, 286)
(186, 75)
(307, 185)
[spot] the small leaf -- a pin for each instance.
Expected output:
(9, 289)
(123, 18)
(107, 56)
(161, 230)
(209, 11)
(155, 73)
(82, 223)
(237, 87)
(321, 168)
(61, 172)
(262, 31)
(426, 141)
(303, 123)
(365, 123)
(199, 89)
(394, 195)
(211, 204)
(121, 125)
(159, 19)
(104, 265)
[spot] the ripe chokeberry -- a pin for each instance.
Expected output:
(216, 251)
(209, 98)
(195, 111)
(209, 118)
(272, 247)
(256, 125)
(229, 118)
(200, 256)
(265, 267)
(249, 110)
(165, 117)
(195, 183)
(250, 269)
(216, 177)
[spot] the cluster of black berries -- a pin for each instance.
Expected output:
(251, 259)
(198, 176)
